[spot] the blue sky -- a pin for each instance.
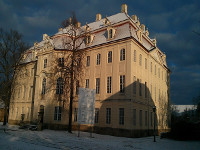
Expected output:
(171, 22)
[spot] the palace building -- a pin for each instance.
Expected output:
(121, 62)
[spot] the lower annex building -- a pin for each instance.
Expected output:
(121, 61)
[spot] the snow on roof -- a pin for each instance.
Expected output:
(182, 108)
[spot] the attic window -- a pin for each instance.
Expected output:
(110, 33)
(106, 21)
(89, 39)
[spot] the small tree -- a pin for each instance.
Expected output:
(11, 48)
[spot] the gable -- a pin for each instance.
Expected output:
(159, 56)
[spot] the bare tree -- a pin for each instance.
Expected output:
(72, 41)
(11, 48)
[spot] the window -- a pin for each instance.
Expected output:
(88, 39)
(17, 113)
(32, 72)
(155, 93)
(88, 61)
(145, 63)
(140, 88)
(151, 66)
(145, 90)
(57, 113)
(159, 72)
(122, 54)
(98, 59)
(109, 83)
(77, 87)
(87, 83)
(152, 119)
(134, 117)
(61, 62)
(28, 113)
(134, 55)
(96, 119)
(59, 87)
(151, 90)
(108, 115)
(30, 91)
(122, 83)
(24, 91)
(111, 33)
(97, 85)
(121, 116)
(155, 69)
(19, 92)
(75, 114)
(145, 118)
(134, 85)
(140, 60)
(44, 86)
(45, 63)
(109, 56)
(140, 116)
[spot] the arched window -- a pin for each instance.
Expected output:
(59, 87)
(44, 86)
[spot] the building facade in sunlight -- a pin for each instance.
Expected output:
(121, 62)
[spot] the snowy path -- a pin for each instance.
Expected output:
(19, 139)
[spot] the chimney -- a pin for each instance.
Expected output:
(124, 8)
(45, 36)
(98, 17)
(142, 27)
(147, 32)
(134, 17)
(60, 29)
(154, 42)
(78, 24)
(70, 20)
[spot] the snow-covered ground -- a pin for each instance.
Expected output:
(13, 138)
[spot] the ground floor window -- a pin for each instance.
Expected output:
(96, 120)
(108, 115)
(57, 113)
(121, 116)
(75, 114)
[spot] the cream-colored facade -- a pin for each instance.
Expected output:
(127, 69)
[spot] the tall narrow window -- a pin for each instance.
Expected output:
(134, 85)
(44, 86)
(109, 84)
(121, 116)
(151, 90)
(57, 113)
(24, 91)
(152, 119)
(45, 63)
(61, 62)
(87, 83)
(109, 56)
(32, 72)
(88, 61)
(151, 66)
(17, 115)
(134, 117)
(77, 87)
(110, 33)
(19, 92)
(96, 119)
(145, 89)
(98, 59)
(28, 113)
(30, 92)
(145, 63)
(140, 60)
(122, 83)
(159, 72)
(140, 88)
(155, 69)
(140, 116)
(59, 87)
(145, 118)
(122, 54)
(97, 85)
(108, 115)
(155, 93)
(135, 56)
(75, 114)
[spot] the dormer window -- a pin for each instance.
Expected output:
(89, 39)
(106, 21)
(110, 32)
